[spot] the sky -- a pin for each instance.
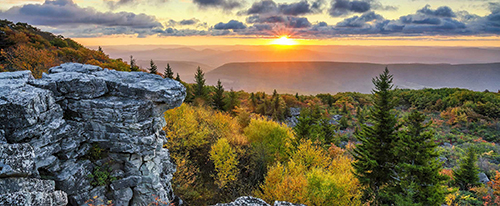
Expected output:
(260, 22)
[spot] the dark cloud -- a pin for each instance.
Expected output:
(294, 9)
(223, 4)
(67, 13)
(345, 7)
(298, 22)
(184, 22)
(443, 11)
(285, 21)
(261, 7)
(117, 4)
(233, 24)
(360, 21)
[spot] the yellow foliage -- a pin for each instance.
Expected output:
(311, 177)
(191, 127)
(276, 137)
(225, 161)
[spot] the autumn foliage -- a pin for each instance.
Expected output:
(24, 47)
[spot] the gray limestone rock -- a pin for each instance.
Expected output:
(483, 178)
(79, 121)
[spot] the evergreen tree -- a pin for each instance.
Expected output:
(345, 111)
(178, 78)
(375, 161)
(199, 87)
(419, 167)
(344, 122)
(466, 176)
(218, 98)
(303, 127)
(153, 69)
(168, 72)
(297, 96)
(100, 49)
(133, 66)
(360, 116)
(232, 102)
(253, 101)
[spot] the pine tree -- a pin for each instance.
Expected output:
(153, 69)
(178, 78)
(466, 176)
(218, 98)
(419, 167)
(375, 159)
(297, 96)
(168, 72)
(199, 87)
(133, 66)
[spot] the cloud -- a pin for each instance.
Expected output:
(184, 22)
(294, 9)
(67, 13)
(345, 7)
(232, 24)
(360, 21)
(223, 4)
(112, 4)
(284, 21)
(443, 11)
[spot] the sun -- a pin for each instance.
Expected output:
(284, 40)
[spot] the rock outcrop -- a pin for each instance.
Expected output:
(85, 132)
(252, 201)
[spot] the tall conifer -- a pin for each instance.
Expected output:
(218, 98)
(168, 72)
(467, 175)
(199, 87)
(153, 69)
(419, 167)
(375, 159)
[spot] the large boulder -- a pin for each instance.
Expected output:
(79, 123)
(253, 201)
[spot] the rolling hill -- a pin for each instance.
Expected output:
(332, 77)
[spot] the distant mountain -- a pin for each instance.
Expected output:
(332, 77)
(185, 69)
(218, 55)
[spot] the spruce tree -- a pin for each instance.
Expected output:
(218, 98)
(360, 115)
(133, 66)
(467, 175)
(345, 111)
(232, 102)
(168, 72)
(419, 167)
(375, 161)
(253, 101)
(199, 87)
(178, 78)
(153, 69)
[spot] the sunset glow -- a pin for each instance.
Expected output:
(284, 40)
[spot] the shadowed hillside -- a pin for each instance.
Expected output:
(331, 77)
